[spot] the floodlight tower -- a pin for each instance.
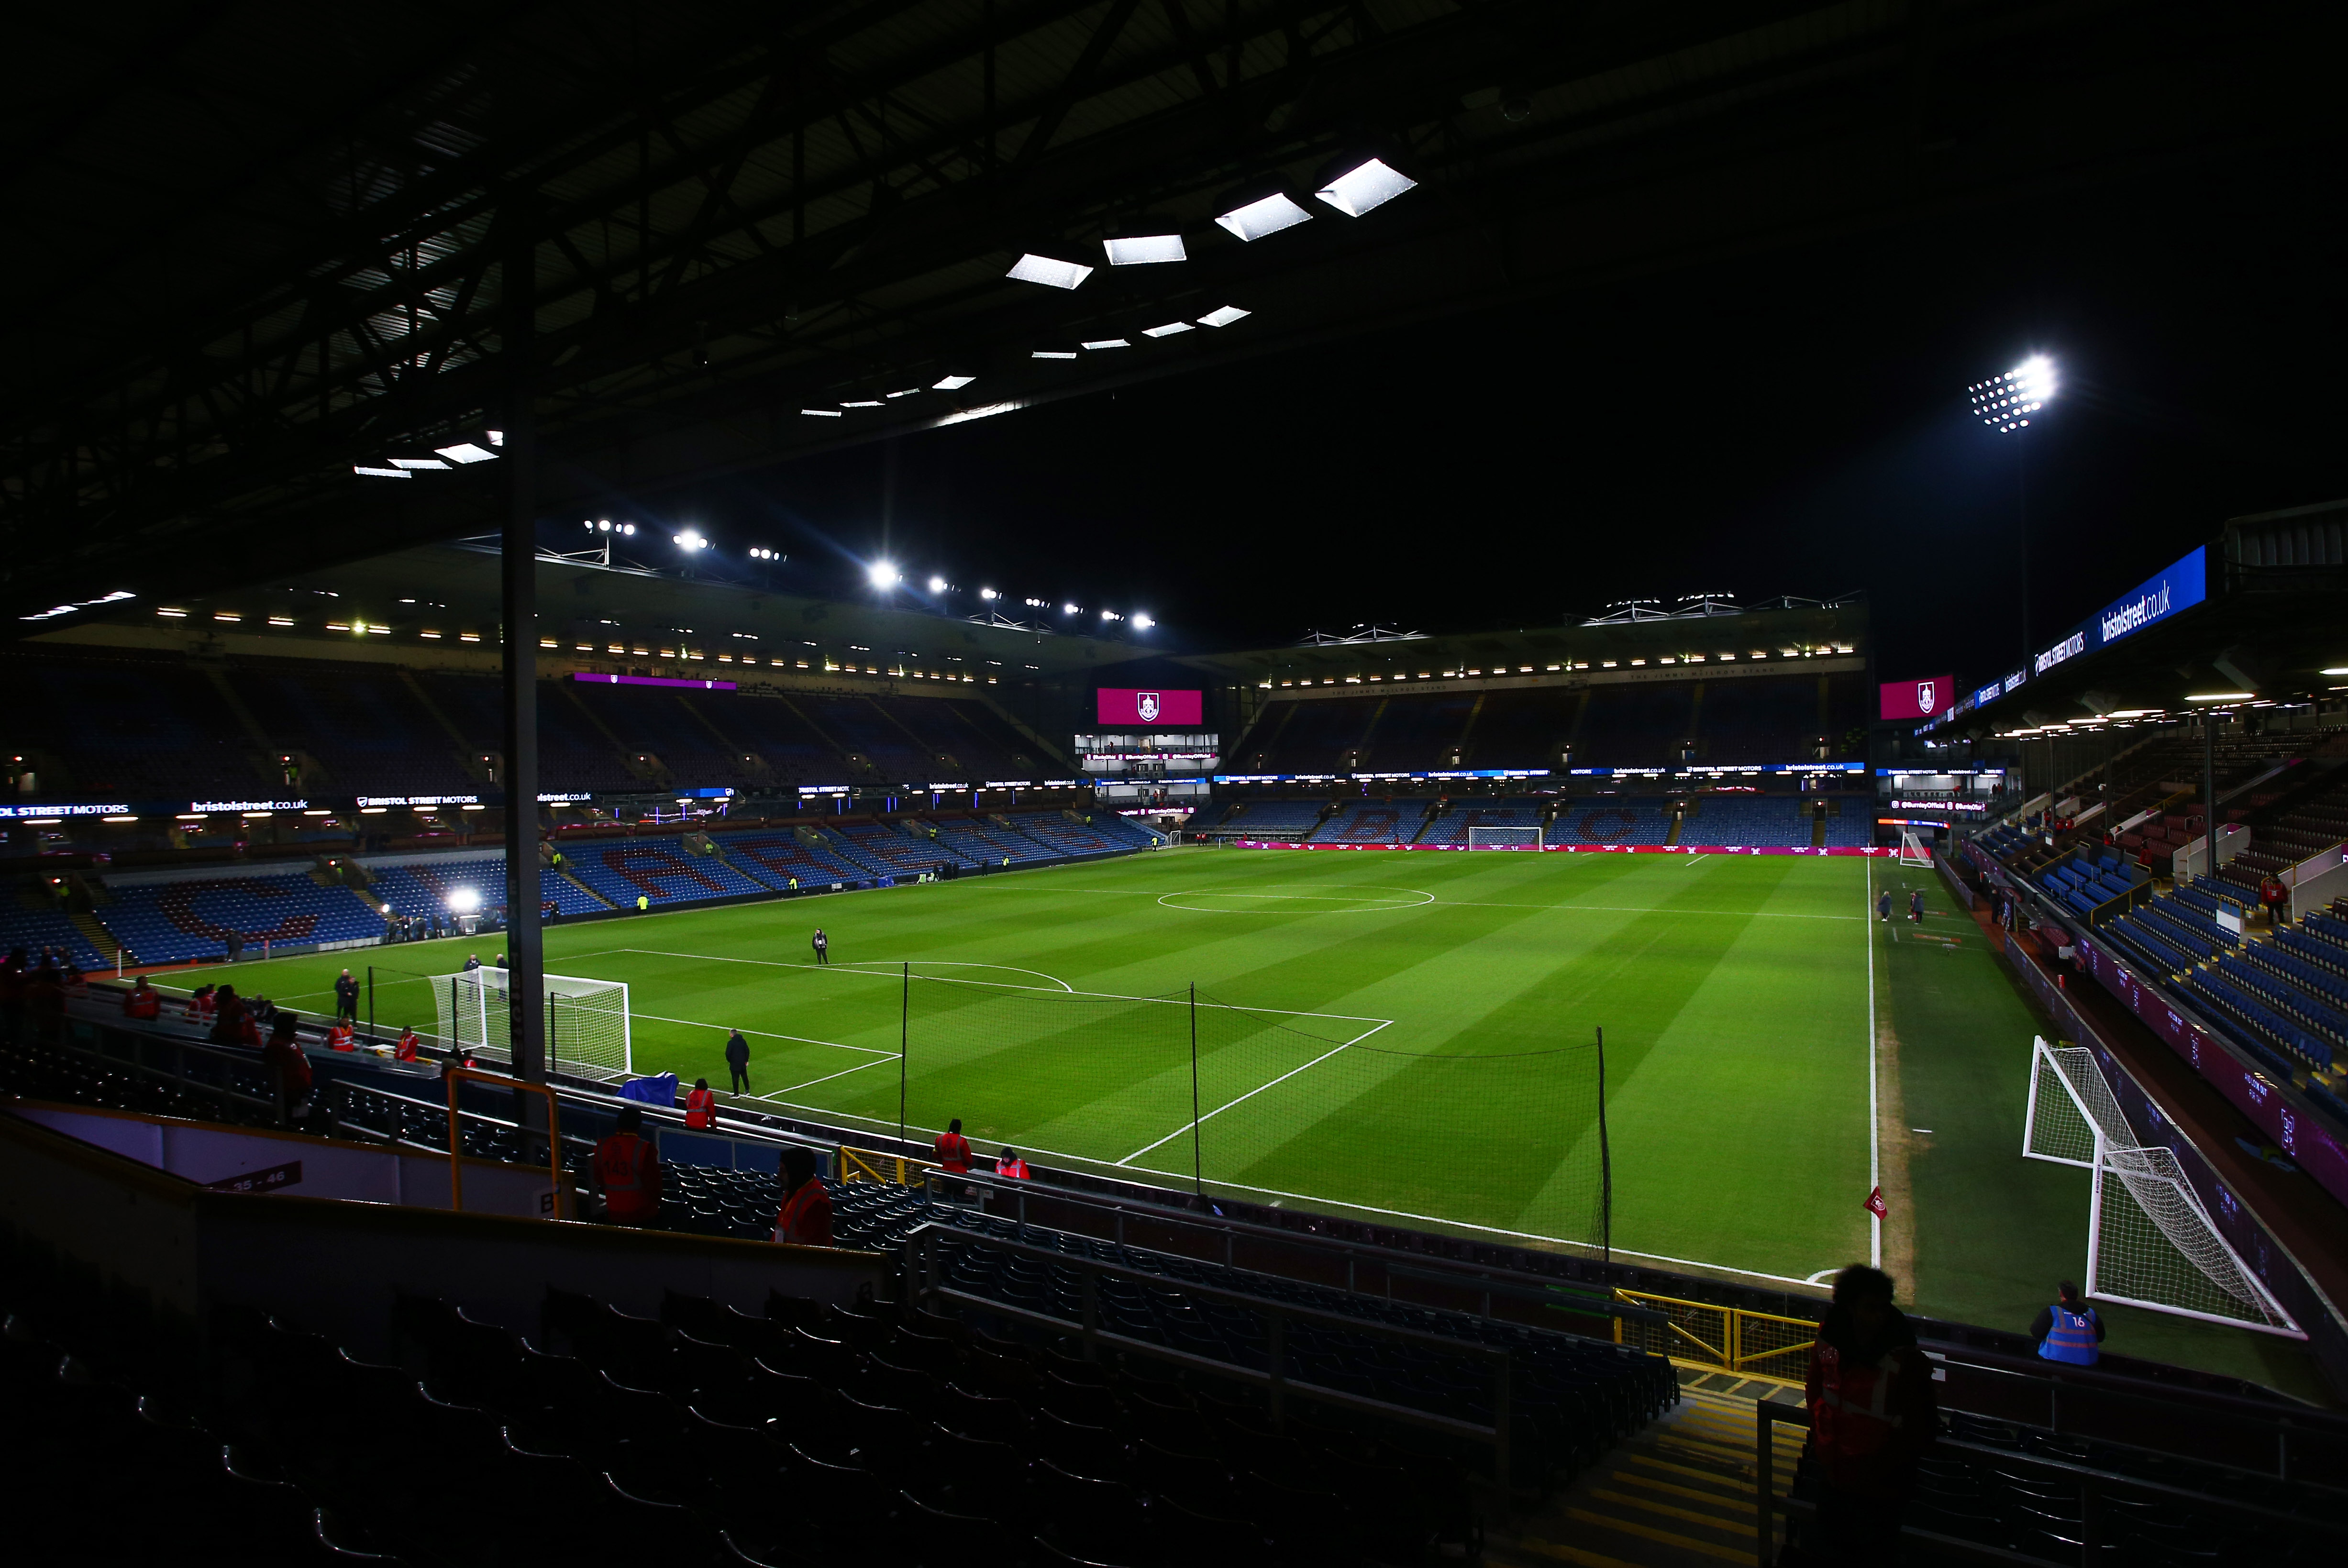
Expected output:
(2007, 404)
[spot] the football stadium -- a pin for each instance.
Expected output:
(930, 781)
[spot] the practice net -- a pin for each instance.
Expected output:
(1261, 1104)
(586, 1021)
(2150, 1242)
(1480, 837)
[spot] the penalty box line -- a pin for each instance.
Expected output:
(1250, 1094)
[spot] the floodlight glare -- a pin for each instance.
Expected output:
(1142, 623)
(988, 593)
(629, 528)
(369, 473)
(465, 900)
(688, 540)
(2004, 403)
(883, 575)
(2223, 696)
(957, 382)
(1145, 250)
(419, 463)
(604, 526)
(1070, 610)
(861, 403)
(1169, 330)
(823, 413)
(937, 584)
(1035, 268)
(1364, 186)
(1267, 215)
(1223, 315)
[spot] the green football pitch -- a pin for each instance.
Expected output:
(1409, 1037)
(1399, 1036)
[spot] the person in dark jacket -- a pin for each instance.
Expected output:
(1872, 1414)
(737, 1061)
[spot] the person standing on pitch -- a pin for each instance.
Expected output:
(2069, 1331)
(822, 946)
(1916, 905)
(346, 999)
(737, 1061)
(1883, 904)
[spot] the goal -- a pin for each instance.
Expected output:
(1483, 838)
(2150, 1242)
(586, 1021)
(1912, 850)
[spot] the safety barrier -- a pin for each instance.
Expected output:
(1727, 1339)
(869, 1165)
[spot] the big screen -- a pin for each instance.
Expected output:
(1123, 706)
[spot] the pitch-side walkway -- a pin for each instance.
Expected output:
(1677, 1495)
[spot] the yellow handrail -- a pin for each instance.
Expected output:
(456, 1144)
(1727, 1339)
(867, 1165)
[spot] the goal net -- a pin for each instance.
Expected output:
(2150, 1242)
(1912, 852)
(1483, 838)
(586, 1020)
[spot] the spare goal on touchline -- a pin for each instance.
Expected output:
(586, 1020)
(1480, 837)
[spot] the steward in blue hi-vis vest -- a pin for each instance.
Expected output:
(2073, 1336)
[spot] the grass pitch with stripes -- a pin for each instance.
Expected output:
(1733, 990)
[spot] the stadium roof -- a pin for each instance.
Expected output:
(251, 257)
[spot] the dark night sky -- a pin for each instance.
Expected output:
(1791, 423)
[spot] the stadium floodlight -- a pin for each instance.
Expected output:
(1265, 216)
(883, 576)
(364, 472)
(466, 453)
(465, 900)
(1369, 184)
(1145, 250)
(629, 528)
(937, 584)
(1070, 610)
(861, 403)
(2004, 403)
(2223, 696)
(1169, 330)
(988, 593)
(688, 542)
(1142, 623)
(1110, 343)
(1051, 273)
(1223, 315)
(955, 381)
(2343, 670)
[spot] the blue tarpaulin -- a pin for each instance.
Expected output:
(659, 1090)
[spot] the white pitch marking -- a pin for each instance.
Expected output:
(860, 967)
(766, 1034)
(1250, 1094)
(1343, 897)
(794, 1089)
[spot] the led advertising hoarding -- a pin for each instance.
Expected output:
(1918, 699)
(1120, 705)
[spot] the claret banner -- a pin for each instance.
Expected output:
(1119, 707)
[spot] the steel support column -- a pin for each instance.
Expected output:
(525, 951)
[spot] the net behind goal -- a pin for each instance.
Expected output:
(1483, 838)
(586, 1020)
(2149, 1241)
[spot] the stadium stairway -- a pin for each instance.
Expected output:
(1678, 1494)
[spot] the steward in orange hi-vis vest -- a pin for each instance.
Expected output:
(700, 1106)
(1873, 1413)
(805, 1219)
(628, 1168)
(954, 1150)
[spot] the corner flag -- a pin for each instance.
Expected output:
(1876, 1205)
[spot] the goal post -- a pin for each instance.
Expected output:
(1480, 837)
(587, 1029)
(2150, 1242)
(1913, 852)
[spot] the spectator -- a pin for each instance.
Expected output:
(12, 995)
(2069, 1331)
(822, 946)
(142, 1001)
(737, 1061)
(232, 1022)
(1873, 1413)
(627, 1171)
(44, 1000)
(805, 1219)
(2273, 896)
(285, 1058)
(346, 999)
